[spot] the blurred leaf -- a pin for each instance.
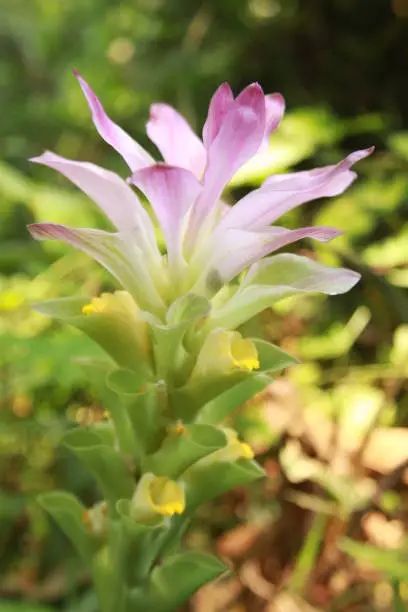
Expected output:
(399, 351)
(104, 462)
(392, 251)
(172, 583)
(398, 142)
(68, 512)
(24, 607)
(392, 563)
(337, 340)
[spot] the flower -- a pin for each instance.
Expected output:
(208, 244)
(233, 450)
(156, 497)
(120, 307)
(225, 352)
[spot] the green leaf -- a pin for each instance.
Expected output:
(180, 450)
(271, 357)
(216, 410)
(175, 581)
(68, 512)
(208, 482)
(104, 462)
(185, 402)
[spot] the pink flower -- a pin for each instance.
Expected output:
(208, 244)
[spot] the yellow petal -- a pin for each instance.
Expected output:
(244, 354)
(247, 451)
(223, 353)
(166, 496)
(122, 308)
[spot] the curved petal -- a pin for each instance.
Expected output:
(278, 277)
(282, 192)
(175, 139)
(128, 266)
(171, 192)
(220, 104)
(308, 179)
(240, 248)
(238, 139)
(115, 198)
(301, 273)
(133, 154)
(274, 111)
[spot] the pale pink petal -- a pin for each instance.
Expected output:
(220, 104)
(171, 192)
(307, 179)
(133, 154)
(274, 111)
(239, 248)
(125, 262)
(238, 139)
(283, 192)
(175, 139)
(115, 198)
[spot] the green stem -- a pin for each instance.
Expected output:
(308, 554)
(398, 604)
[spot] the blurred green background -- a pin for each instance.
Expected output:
(327, 530)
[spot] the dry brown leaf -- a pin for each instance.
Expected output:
(217, 596)
(381, 531)
(252, 577)
(386, 449)
(286, 602)
(237, 542)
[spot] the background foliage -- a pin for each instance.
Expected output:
(327, 530)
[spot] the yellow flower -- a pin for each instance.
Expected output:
(233, 450)
(244, 354)
(224, 352)
(157, 496)
(121, 308)
(166, 496)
